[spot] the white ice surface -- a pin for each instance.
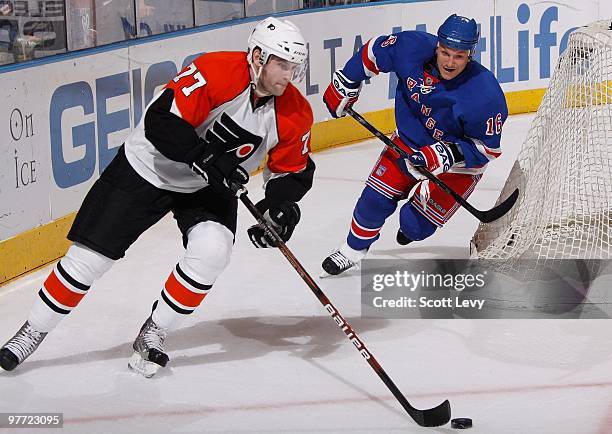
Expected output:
(262, 356)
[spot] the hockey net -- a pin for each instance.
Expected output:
(564, 169)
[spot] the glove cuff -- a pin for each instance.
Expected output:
(347, 82)
(195, 153)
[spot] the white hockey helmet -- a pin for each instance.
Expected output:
(282, 39)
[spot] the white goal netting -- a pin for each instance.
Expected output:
(564, 170)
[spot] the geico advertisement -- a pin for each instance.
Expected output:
(63, 121)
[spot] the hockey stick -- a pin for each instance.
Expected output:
(484, 216)
(436, 416)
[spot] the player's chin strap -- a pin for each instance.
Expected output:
(255, 80)
(435, 416)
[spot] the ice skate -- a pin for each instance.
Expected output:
(149, 353)
(20, 347)
(342, 260)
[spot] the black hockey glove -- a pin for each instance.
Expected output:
(283, 218)
(220, 169)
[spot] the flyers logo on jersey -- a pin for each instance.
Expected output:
(227, 133)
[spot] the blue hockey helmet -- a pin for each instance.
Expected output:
(459, 32)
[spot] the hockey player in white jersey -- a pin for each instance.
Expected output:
(220, 116)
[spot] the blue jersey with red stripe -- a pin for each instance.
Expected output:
(468, 110)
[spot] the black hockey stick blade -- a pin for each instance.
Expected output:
(499, 210)
(484, 216)
(431, 417)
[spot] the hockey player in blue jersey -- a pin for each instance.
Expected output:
(449, 113)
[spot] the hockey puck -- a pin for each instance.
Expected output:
(461, 423)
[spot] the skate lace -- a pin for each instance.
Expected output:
(25, 342)
(341, 261)
(153, 336)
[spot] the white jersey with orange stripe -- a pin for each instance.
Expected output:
(212, 96)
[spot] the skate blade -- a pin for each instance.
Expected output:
(144, 367)
(350, 272)
(325, 275)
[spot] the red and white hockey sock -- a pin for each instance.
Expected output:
(180, 297)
